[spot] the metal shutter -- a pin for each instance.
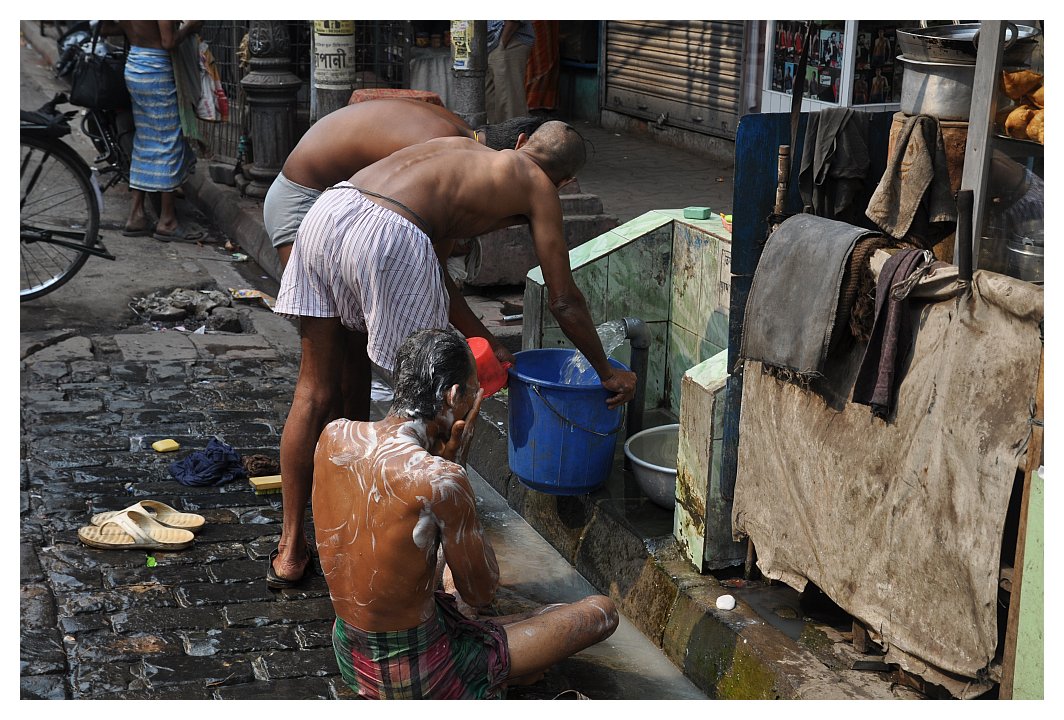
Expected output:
(688, 70)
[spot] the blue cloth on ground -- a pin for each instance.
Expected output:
(216, 465)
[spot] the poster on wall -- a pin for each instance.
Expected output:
(824, 63)
(877, 74)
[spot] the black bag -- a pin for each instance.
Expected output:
(98, 81)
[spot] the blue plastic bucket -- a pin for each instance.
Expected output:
(562, 436)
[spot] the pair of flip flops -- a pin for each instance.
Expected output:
(147, 525)
(179, 234)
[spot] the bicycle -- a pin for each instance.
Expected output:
(61, 196)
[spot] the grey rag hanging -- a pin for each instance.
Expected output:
(835, 163)
(791, 312)
(914, 200)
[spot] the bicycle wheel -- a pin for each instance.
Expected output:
(59, 215)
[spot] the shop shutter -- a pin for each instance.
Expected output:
(689, 71)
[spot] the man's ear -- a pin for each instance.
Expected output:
(521, 140)
(451, 396)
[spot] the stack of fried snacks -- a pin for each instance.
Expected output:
(1024, 119)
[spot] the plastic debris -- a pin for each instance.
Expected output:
(240, 257)
(151, 561)
(726, 602)
(249, 294)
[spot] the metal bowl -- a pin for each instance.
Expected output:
(960, 43)
(652, 453)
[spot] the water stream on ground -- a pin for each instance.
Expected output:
(577, 370)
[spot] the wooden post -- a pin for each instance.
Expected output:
(1034, 456)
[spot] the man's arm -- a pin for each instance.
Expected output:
(459, 312)
(171, 38)
(465, 548)
(566, 302)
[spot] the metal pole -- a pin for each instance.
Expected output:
(469, 55)
(332, 66)
(271, 89)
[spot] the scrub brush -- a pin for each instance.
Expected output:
(266, 485)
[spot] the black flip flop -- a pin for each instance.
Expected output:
(132, 232)
(276, 582)
(180, 234)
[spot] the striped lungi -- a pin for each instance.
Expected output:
(367, 265)
(159, 162)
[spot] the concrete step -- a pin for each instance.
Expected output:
(504, 257)
(581, 204)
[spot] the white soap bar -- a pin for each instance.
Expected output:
(725, 602)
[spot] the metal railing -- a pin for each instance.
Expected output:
(380, 62)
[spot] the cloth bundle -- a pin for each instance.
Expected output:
(217, 464)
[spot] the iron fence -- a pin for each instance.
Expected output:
(381, 51)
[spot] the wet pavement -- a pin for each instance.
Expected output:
(99, 384)
(200, 623)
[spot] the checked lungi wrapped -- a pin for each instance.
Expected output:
(449, 657)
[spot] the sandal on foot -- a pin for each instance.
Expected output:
(179, 234)
(133, 530)
(136, 232)
(276, 582)
(160, 513)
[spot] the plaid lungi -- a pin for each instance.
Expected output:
(159, 162)
(367, 265)
(449, 657)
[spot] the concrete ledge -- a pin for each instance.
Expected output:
(237, 216)
(623, 545)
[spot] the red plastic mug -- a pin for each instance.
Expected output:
(490, 372)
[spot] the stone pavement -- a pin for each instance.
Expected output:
(198, 623)
(201, 623)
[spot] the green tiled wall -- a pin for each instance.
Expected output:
(668, 271)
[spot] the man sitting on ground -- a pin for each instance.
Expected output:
(387, 496)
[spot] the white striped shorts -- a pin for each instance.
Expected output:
(367, 265)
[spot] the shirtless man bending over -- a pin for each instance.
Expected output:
(387, 496)
(371, 257)
(347, 140)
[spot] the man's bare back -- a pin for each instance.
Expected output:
(460, 188)
(158, 34)
(359, 135)
(383, 505)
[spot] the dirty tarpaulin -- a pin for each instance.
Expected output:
(217, 464)
(901, 523)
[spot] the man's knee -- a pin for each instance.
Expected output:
(604, 613)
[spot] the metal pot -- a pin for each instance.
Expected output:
(1025, 258)
(959, 43)
(942, 90)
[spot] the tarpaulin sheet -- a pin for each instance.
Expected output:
(900, 522)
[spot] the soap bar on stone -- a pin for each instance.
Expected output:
(726, 602)
(697, 213)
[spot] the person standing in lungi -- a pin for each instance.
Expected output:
(161, 159)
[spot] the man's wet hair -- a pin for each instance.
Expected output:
(503, 136)
(561, 149)
(427, 364)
